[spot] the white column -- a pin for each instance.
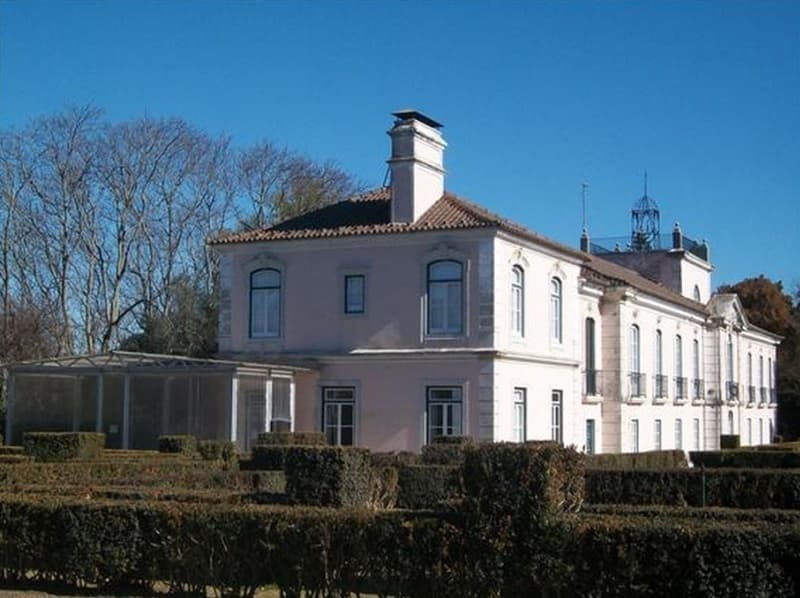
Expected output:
(126, 411)
(268, 405)
(10, 383)
(99, 411)
(291, 405)
(234, 402)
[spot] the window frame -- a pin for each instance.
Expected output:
(520, 429)
(696, 434)
(557, 416)
(591, 436)
(518, 301)
(347, 309)
(678, 432)
(635, 435)
(445, 332)
(339, 403)
(657, 434)
(556, 310)
(439, 402)
(252, 289)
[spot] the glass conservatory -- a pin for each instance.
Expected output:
(136, 397)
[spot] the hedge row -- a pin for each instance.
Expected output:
(184, 444)
(427, 486)
(292, 438)
(736, 488)
(62, 446)
(769, 459)
(446, 450)
(666, 459)
(703, 513)
(328, 476)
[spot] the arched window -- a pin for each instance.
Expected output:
(517, 301)
(265, 303)
(659, 354)
(556, 325)
(696, 293)
(636, 377)
(678, 356)
(590, 358)
(730, 422)
(697, 384)
(445, 301)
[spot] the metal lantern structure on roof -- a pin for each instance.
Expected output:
(645, 223)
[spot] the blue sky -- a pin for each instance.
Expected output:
(536, 98)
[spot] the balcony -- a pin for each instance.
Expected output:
(638, 383)
(592, 385)
(698, 391)
(662, 383)
(732, 394)
(764, 398)
(751, 395)
(680, 389)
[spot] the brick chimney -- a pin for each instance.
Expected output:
(416, 163)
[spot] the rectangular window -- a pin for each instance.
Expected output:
(445, 298)
(760, 431)
(354, 286)
(749, 431)
(338, 415)
(678, 433)
(657, 435)
(556, 416)
(265, 303)
(696, 434)
(520, 415)
(444, 411)
(590, 435)
(635, 435)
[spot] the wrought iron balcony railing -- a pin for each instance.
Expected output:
(698, 390)
(732, 394)
(592, 383)
(680, 388)
(637, 384)
(662, 382)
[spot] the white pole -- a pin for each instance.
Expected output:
(291, 404)
(234, 402)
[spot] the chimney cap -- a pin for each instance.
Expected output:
(410, 114)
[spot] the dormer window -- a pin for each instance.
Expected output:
(265, 303)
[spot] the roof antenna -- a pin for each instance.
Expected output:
(584, 187)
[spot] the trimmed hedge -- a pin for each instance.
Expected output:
(428, 486)
(223, 451)
(292, 438)
(736, 488)
(178, 443)
(11, 450)
(642, 556)
(394, 459)
(328, 476)
(666, 459)
(768, 459)
(446, 450)
(61, 446)
(269, 457)
(515, 525)
(704, 513)
(729, 441)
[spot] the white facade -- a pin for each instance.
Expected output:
(459, 322)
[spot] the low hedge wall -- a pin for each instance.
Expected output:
(62, 446)
(328, 476)
(666, 459)
(223, 451)
(178, 443)
(427, 486)
(269, 457)
(292, 438)
(445, 450)
(736, 488)
(769, 459)
(703, 513)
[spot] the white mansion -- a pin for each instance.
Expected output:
(416, 314)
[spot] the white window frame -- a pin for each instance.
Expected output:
(453, 289)
(520, 415)
(350, 308)
(696, 433)
(731, 425)
(518, 301)
(340, 398)
(591, 436)
(635, 435)
(267, 290)
(452, 410)
(657, 440)
(556, 310)
(678, 433)
(557, 416)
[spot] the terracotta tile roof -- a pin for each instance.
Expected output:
(608, 273)
(370, 214)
